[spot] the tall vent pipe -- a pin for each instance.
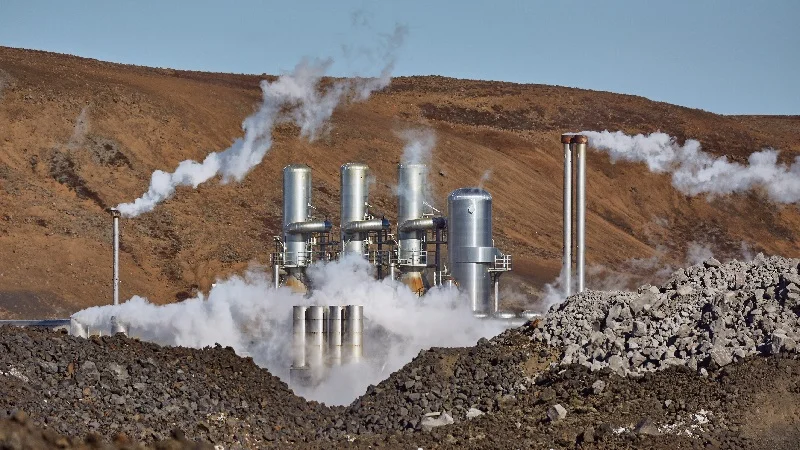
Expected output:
(580, 142)
(115, 245)
(574, 145)
(566, 264)
(299, 227)
(356, 224)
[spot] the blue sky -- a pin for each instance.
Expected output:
(724, 56)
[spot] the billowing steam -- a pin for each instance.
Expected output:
(418, 149)
(246, 313)
(419, 143)
(696, 172)
(295, 97)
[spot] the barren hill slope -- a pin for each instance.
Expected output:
(79, 135)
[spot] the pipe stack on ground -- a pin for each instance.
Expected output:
(324, 337)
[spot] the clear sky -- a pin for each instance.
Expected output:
(724, 56)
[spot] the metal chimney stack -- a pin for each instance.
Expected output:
(299, 228)
(115, 214)
(413, 225)
(356, 223)
(574, 145)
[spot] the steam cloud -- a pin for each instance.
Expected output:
(418, 149)
(295, 97)
(419, 143)
(696, 172)
(246, 313)
(487, 175)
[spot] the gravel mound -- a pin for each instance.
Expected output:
(707, 316)
(454, 383)
(114, 385)
(18, 432)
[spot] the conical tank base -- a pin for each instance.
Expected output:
(415, 281)
(295, 284)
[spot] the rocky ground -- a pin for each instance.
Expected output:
(731, 381)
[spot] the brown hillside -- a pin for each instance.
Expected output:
(55, 182)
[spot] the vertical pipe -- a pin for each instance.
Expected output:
(334, 335)
(115, 244)
(353, 328)
(580, 148)
(276, 275)
(566, 268)
(379, 257)
(437, 276)
(299, 336)
(496, 293)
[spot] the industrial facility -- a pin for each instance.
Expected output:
(411, 251)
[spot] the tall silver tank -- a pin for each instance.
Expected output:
(469, 248)
(355, 194)
(296, 208)
(411, 179)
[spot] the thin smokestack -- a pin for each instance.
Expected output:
(579, 143)
(566, 268)
(115, 246)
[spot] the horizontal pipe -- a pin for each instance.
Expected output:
(47, 323)
(315, 226)
(429, 223)
(360, 226)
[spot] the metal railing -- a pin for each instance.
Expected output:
(421, 256)
(502, 263)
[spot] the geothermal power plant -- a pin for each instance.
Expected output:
(411, 251)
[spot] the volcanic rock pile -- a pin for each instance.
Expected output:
(442, 386)
(707, 316)
(115, 385)
(614, 370)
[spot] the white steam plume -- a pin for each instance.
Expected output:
(487, 175)
(419, 143)
(246, 313)
(696, 172)
(294, 97)
(418, 149)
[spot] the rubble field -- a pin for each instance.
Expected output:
(706, 360)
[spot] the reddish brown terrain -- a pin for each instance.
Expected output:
(57, 179)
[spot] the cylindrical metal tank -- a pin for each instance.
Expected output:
(353, 329)
(334, 334)
(411, 179)
(469, 248)
(296, 208)
(355, 193)
(299, 336)
(315, 336)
